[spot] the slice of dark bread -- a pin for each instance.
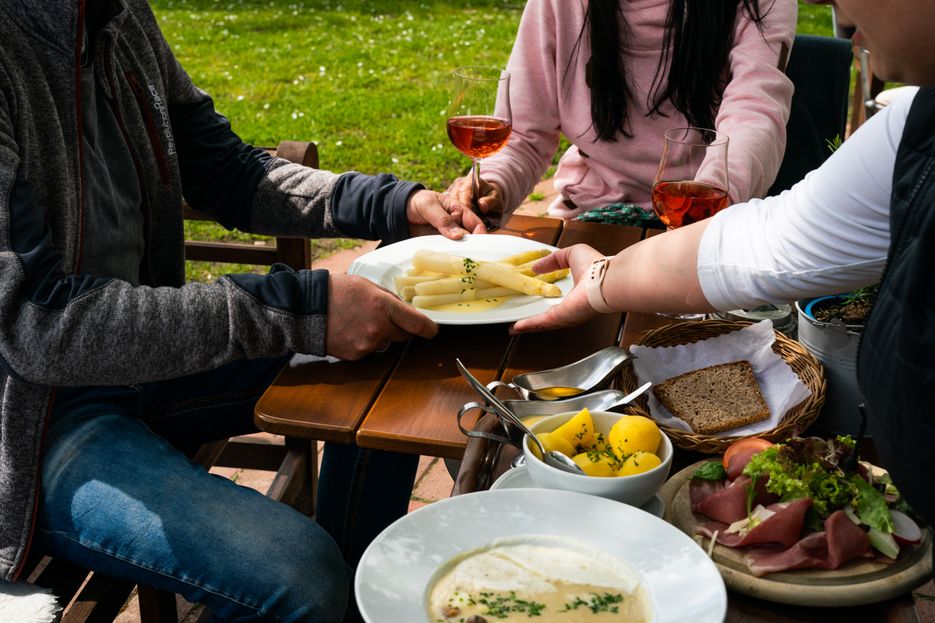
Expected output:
(714, 399)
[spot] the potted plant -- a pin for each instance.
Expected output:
(830, 327)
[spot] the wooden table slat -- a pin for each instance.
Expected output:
(399, 421)
(324, 400)
(544, 230)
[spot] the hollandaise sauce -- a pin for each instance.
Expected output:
(554, 393)
(472, 306)
(551, 579)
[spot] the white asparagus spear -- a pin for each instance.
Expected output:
(406, 293)
(452, 284)
(526, 257)
(436, 300)
(494, 272)
(411, 280)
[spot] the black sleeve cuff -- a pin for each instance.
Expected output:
(372, 206)
(303, 292)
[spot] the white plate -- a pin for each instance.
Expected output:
(393, 574)
(518, 478)
(382, 265)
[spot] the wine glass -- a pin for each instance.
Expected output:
(480, 120)
(691, 182)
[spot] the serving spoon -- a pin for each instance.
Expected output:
(552, 457)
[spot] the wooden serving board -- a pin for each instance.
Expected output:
(856, 583)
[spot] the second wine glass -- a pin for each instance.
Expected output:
(480, 120)
(691, 182)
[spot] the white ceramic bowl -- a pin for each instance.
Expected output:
(635, 490)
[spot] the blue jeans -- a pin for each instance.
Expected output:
(119, 496)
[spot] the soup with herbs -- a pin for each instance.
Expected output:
(551, 579)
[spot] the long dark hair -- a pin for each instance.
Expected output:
(698, 38)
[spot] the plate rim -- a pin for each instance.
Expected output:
(517, 472)
(776, 588)
(718, 607)
(449, 318)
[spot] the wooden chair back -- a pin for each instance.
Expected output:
(294, 252)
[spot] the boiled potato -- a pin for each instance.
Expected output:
(595, 463)
(578, 431)
(602, 444)
(632, 433)
(551, 441)
(638, 462)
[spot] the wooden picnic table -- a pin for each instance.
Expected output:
(406, 399)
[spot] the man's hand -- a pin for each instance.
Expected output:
(491, 196)
(363, 318)
(574, 308)
(430, 212)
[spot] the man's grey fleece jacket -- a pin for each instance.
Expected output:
(59, 327)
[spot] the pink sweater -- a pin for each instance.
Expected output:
(591, 173)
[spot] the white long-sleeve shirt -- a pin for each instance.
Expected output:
(828, 233)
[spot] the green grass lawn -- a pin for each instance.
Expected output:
(367, 80)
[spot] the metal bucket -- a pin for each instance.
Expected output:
(781, 315)
(835, 345)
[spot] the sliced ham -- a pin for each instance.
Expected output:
(782, 528)
(699, 489)
(840, 542)
(726, 502)
(846, 540)
(808, 552)
(739, 460)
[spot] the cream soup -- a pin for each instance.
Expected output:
(552, 579)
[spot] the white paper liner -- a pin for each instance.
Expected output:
(781, 387)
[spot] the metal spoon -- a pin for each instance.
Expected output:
(552, 457)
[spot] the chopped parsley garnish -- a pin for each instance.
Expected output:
(500, 606)
(597, 603)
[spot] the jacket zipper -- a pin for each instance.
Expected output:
(145, 269)
(151, 131)
(79, 118)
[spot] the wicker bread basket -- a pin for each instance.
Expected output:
(802, 362)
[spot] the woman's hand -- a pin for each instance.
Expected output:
(429, 212)
(574, 308)
(491, 196)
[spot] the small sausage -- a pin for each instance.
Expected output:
(451, 611)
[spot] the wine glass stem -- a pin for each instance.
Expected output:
(475, 196)
(475, 186)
